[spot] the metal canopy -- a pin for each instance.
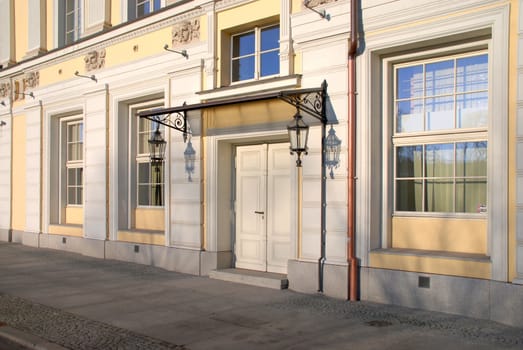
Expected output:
(310, 100)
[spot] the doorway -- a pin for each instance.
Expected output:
(263, 207)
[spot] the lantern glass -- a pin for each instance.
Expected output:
(189, 156)
(332, 151)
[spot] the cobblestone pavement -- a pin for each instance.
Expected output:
(84, 303)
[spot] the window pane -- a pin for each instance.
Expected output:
(143, 173)
(439, 160)
(243, 45)
(270, 38)
(409, 116)
(71, 196)
(471, 195)
(143, 143)
(471, 159)
(156, 195)
(79, 176)
(69, 22)
(71, 177)
(409, 82)
(439, 113)
(409, 195)
(440, 78)
(243, 69)
(408, 161)
(143, 194)
(157, 4)
(472, 110)
(472, 73)
(439, 196)
(79, 195)
(270, 63)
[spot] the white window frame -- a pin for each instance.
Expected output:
(257, 54)
(72, 164)
(127, 6)
(60, 24)
(430, 137)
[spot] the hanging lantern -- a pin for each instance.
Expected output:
(332, 151)
(157, 146)
(298, 134)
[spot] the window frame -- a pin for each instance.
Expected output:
(70, 164)
(428, 137)
(131, 8)
(257, 54)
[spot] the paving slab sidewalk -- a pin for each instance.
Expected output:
(75, 302)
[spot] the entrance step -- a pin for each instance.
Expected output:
(251, 277)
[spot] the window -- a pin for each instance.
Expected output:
(140, 8)
(74, 162)
(255, 54)
(70, 21)
(150, 176)
(440, 135)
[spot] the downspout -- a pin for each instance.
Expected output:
(351, 176)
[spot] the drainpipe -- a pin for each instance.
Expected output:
(351, 191)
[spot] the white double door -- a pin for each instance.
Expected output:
(263, 207)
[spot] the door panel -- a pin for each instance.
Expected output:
(251, 190)
(279, 214)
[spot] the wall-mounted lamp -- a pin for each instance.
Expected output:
(24, 94)
(298, 134)
(92, 77)
(2, 123)
(183, 52)
(2, 103)
(322, 13)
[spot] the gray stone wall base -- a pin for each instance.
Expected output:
(94, 248)
(506, 303)
(210, 261)
(169, 258)
(497, 301)
(31, 239)
(17, 236)
(5, 235)
(59, 242)
(303, 278)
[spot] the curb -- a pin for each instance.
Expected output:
(28, 340)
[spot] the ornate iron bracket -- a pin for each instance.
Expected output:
(311, 101)
(174, 120)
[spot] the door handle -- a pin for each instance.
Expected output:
(259, 212)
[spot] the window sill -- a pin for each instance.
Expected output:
(252, 87)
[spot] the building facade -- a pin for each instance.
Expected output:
(438, 185)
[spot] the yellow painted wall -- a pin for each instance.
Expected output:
(145, 238)
(19, 172)
(116, 13)
(21, 24)
(66, 230)
(74, 215)
(444, 234)
(513, 88)
(50, 25)
(431, 264)
(149, 219)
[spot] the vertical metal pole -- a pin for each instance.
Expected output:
(321, 261)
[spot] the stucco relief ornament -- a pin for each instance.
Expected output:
(186, 32)
(94, 60)
(5, 89)
(31, 80)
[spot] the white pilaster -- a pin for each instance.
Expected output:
(95, 163)
(33, 168)
(36, 33)
(519, 155)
